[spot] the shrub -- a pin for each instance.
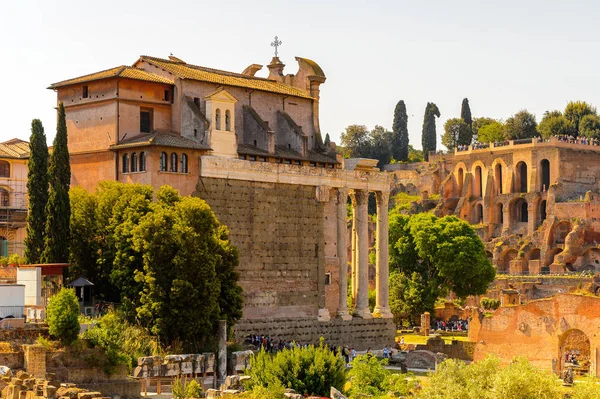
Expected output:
(62, 314)
(368, 376)
(490, 303)
(312, 370)
(587, 388)
(186, 390)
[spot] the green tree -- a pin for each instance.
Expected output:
(368, 377)
(415, 155)
(456, 132)
(493, 132)
(478, 123)
(181, 301)
(586, 388)
(445, 252)
(575, 111)
(589, 126)
(37, 192)
(312, 370)
(356, 141)
(408, 298)
(62, 315)
(327, 141)
(465, 112)
(58, 207)
(521, 125)
(400, 133)
(553, 124)
(429, 137)
(381, 144)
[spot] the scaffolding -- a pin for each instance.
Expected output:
(13, 213)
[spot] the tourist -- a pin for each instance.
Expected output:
(402, 340)
(352, 354)
(385, 352)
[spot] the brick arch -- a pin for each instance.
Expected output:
(501, 178)
(521, 173)
(505, 258)
(458, 179)
(479, 180)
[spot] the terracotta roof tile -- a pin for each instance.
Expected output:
(14, 148)
(195, 72)
(157, 138)
(120, 71)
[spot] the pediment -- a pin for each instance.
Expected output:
(221, 96)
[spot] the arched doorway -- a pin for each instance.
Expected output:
(574, 345)
(520, 213)
(498, 177)
(543, 211)
(521, 178)
(504, 264)
(499, 213)
(478, 182)
(545, 166)
(461, 178)
(561, 231)
(478, 214)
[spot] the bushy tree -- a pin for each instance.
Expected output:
(37, 192)
(58, 207)
(493, 132)
(589, 126)
(400, 133)
(445, 252)
(182, 301)
(575, 111)
(356, 141)
(408, 297)
(381, 145)
(429, 137)
(522, 380)
(465, 112)
(311, 370)
(369, 377)
(456, 132)
(62, 315)
(521, 125)
(490, 303)
(553, 124)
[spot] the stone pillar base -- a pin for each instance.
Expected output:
(344, 315)
(324, 315)
(382, 313)
(363, 313)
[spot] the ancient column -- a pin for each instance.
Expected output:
(342, 252)
(382, 307)
(505, 219)
(222, 353)
(354, 252)
(360, 199)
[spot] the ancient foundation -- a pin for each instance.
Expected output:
(358, 333)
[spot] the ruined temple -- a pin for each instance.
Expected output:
(252, 148)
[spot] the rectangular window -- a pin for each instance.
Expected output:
(197, 102)
(145, 120)
(262, 159)
(327, 278)
(167, 95)
(84, 94)
(252, 158)
(195, 132)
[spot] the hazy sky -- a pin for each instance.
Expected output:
(503, 55)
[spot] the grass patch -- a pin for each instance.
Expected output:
(415, 339)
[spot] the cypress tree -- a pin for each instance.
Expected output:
(58, 208)
(400, 133)
(465, 112)
(429, 139)
(37, 191)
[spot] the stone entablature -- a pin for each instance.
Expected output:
(239, 169)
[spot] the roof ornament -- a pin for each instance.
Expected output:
(276, 43)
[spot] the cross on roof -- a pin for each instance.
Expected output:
(276, 43)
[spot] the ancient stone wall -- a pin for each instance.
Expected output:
(279, 232)
(358, 333)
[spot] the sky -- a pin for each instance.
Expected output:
(503, 56)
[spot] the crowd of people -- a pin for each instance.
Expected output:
(451, 325)
(571, 357)
(563, 138)
(578, 140)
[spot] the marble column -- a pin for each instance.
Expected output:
(354, 253)
(382, 306)
(342, 252)
(360, 199)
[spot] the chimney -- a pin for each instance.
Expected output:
(304, 146)
(271, 142)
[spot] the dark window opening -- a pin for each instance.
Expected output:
(4, 169)
(125, 163)
(197, 102)
(145, 120)
(545, 175)
(163, 161)
(255, 143)
(524, 212)
(327, 278)
(85, 92)
(142, 161)
(4, 197)
(252, 158)
(167, 95)
(195, 132)
(287, 161)
(184, 163)
(543, 211)
(134, 162)
(262, 159)
(173, 162)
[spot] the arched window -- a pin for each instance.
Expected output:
(228, 120)
(521, 180)
(498, 176)
(543, 210)
(499, 213)
(478, 182)
(173, 162)
(125, 163)
(479, 214)
(4, 197)
(524, 212)
(184, 163)
(218, 119)
(142, 161)
(134, 162)
(461, 178)
(163, 161)
(545, 175)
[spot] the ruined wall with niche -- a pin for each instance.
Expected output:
(279, 232)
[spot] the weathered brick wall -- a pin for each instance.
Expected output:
(358, 333)
(279, 232)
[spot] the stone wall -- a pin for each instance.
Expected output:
(358, 333)
(456, 350)
(279, 232)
